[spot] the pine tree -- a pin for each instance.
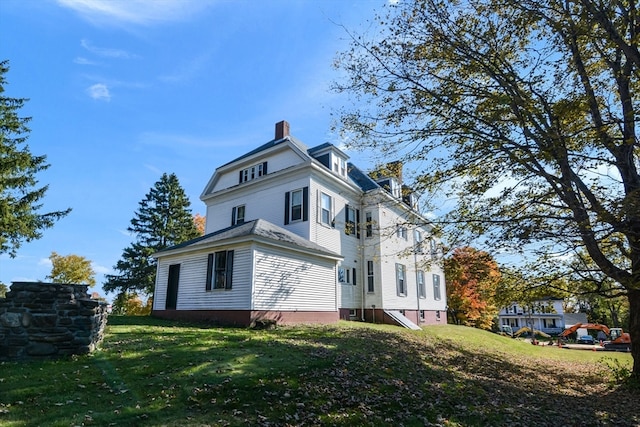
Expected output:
(163, 219)
(20, 197)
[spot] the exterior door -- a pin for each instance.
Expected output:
(172, 287)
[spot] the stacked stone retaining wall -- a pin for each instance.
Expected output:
(49, 320)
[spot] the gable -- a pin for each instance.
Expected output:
(270, 158)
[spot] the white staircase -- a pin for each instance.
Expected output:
(402, 320)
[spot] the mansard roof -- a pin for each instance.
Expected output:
(361, 179)
(258, 229)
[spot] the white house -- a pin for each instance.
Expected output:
(546, 315)
(298, 234)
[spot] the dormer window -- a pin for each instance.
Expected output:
(331, 157)
(395, 188)
(339, 165)
(253, 172)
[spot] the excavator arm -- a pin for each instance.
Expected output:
(577, 326)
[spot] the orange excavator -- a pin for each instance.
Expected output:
(618, 339)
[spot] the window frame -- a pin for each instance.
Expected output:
(253, 172)
(289, 206)
(437, 294)
(401, 231)
(370, 277)
(401, 280)
(235, 214)
(351, 222)
(422, 289)
(328, 221)
(368, 218)
(342, 275)
(417, 234)
(220, 270)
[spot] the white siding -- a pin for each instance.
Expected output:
(386, 249)
(275, 162)
(262, 201)
(192, 294)
(335, 239)
(290, 281)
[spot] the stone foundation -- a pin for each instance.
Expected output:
(49, 320)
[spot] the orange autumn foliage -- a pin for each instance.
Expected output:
(472, 278)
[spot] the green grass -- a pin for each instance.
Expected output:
(151, 372)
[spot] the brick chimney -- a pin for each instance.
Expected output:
(282, 129)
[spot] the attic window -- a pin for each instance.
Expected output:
(253, 172)
(339, 165)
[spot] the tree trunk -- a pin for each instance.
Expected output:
(634, 329)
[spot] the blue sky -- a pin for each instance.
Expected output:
(121, 91)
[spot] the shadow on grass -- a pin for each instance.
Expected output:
(156, 372)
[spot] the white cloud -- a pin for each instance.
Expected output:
(153, 169)
(99, 91)
(188, 70)
(84, 61)
(141, 12)
(99, 269)
(45, 262)
(105, 51)
(125, 232)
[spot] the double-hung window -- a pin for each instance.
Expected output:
(237, 215)
(351, 220)
(219, 270)
(433, 247)
(401, 279)
(325, 209)
(418, 237)
(401, 231)
(368, 224)
(296, 205)
(422, 292)
(370, 286)
(436, 287)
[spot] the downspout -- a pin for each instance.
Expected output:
(363, 236)
(415, 262)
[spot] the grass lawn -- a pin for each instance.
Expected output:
(152, 372)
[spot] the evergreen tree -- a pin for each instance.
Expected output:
(20, 197)
(163, 219)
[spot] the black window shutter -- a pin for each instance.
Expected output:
(305, 204)
(264, 168)
(240, 178)
(357, 224)
(233, 216)
(229, 272)
(286, 208)
(209, 272)
(354, 278)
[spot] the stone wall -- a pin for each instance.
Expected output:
(49, 320)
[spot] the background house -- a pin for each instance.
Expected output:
(298, 234)
(546, 315)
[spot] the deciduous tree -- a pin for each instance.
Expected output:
(472, 277)
(74, 269)
(20, 195)
(525, 112)
(163, 219)
(200, 222)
